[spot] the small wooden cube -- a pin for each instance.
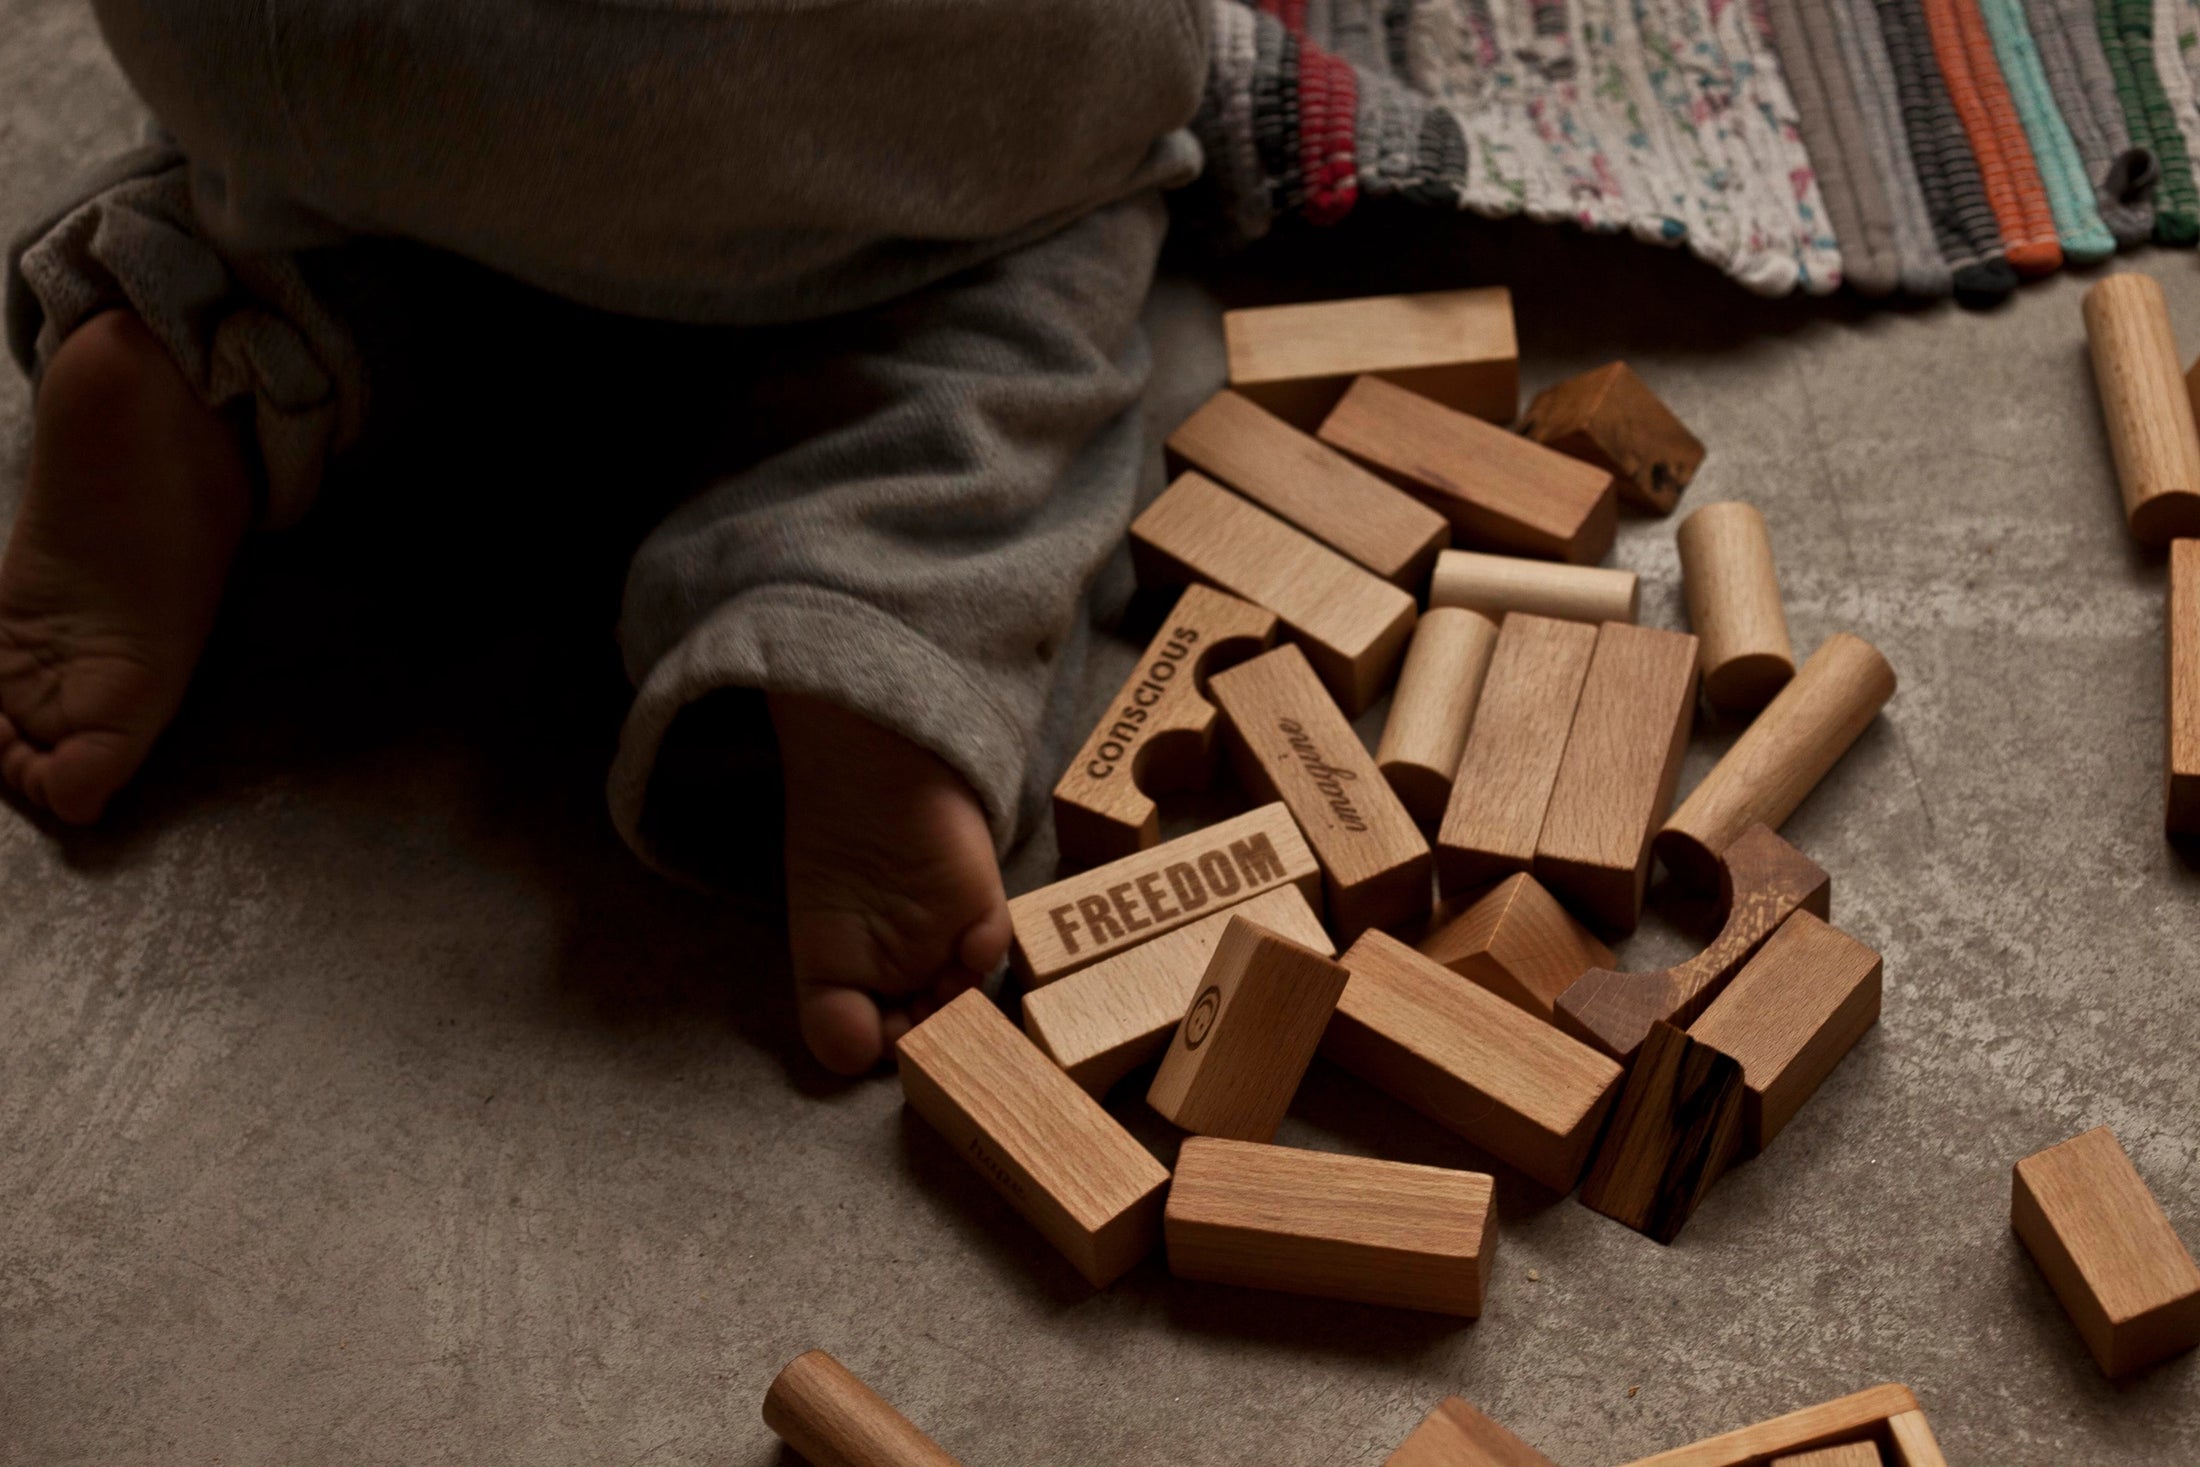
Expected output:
(1455, 346)
(1675, 1129)
(1515, 940)
(1457, 1435)
(1611, 418)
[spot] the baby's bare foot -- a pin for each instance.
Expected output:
(894, 900)
(137, 499)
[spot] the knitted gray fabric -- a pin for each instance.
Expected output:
(1833, 131)
(1963, 220)
(2069, 42)
(1923, 269)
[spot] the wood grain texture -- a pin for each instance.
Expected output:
(1433, 707)
(1609, 417)
(1497, 584)
(1096, 914)
(1455, 346)
(1352, 623)
(1158, 734)
(2181, 722)
(1102, 1022)
(1457, 1435)
(1675, 1129)
(2147, 409)
(1734, 606)
(1289, 741)
(1860, 1417)
(1763, 881)
(817, 1406)
(1849, 1454)
(1515, 940)
(2108, 1251)
(1335, 1227)
(1470, 1061)
(1247, 1036)
(1513, 750)
(1500, 491)
(1236, 442)
(1615, 781)
(1045, 1145)
(1911, 1443)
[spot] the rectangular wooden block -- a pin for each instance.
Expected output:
(2108, 1252)
(1045, 1145)
(1102, 1022)
(1352, 623)
(1289, 741)
(1675, 1129)
(1513, 751)
(1861, 1417)
(1848, 1454)
(1457, 1435)
(1615, 780)
(2181, 778)
(1500, 491)
(1236, 442)
(1470, 1061)
(1336, 1227)
(1098, 913)
(1515, 940)
(1456, 346)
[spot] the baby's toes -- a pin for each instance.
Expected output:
(842, 1027)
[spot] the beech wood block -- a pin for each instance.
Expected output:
(1515, 940)
(2108, 1252)
(1102, 1022)
(1289, 741)
(1433, 706)
(1789, 1017)
(1063, 1162)
(1335, 1227)
(1457, 1435)
(818, 1406)
(1098, 913)
(1911, 1443)
(1848, 1454)
(1764, 881)
(1500, 491)
(1250, 1032)
(1734, 605)
(1455, 346)
(1497, 584)
(1861, 1417)
(1611, 418)
(1513, 750)
(2147, 409)
(1675, 1129)
(1159, 734)
(1470, 1061)
(1780, 757)
(1615, 782)
(1236, 442)
(1352, 623)
(2181, 775)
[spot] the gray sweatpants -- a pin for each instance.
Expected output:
(960, 196)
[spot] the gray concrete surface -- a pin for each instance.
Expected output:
(360, 1101)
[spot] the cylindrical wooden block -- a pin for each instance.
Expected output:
(818, 1407)
(1432, 707)
(1496, 584)
(1734, 606)
(2146, 407)
(1780, 757)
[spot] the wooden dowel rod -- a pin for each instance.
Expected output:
(1734, 606)
(1434, 704)
(818, 1407)
(1496, 584)
(2145, 405)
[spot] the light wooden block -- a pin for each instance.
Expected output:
(1849, 1454)
(819, 1407)
(1045, 1145)
(1096, 914)
(1615, 783)
(1102, 1022)
(1245, 1041)
(1158, 734)
(1861, 1417)
(2108, 1251)
(1515, 940)
(2146, 407)
(1911, 1443)
(1289, 741)
(1352, 623)
(1470, 1061)
(2181, 772)
(1675, 1129)
(1457, 1435)
(1734, 606)
(1610, 418)
(1513, 750)
(1498, 585)
(1433, 708)
(1456, 346)
(1335, 1227)
(1237, 443)
(1499, 490)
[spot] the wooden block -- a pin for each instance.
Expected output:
(1675, 1129)
(1335, 1227)
(1457, 1435)
(1615, 783)
(1780, 757)
(1734, 606)
(1159, 734)
(1861, 1417)
(2148, 411)
(1290, 742)
(1849, 1454)
(818, 1406)
(1433, 706)
(1513, 750)
(1515, 940)
(1455, 346)
(1470, 1061)
(2181, 772)
(1764, 881)
(1611, 418)
(1098, 913)
(1248, 1035)
(1911, 1443)
(1496, 585)
(1500, 491)
(2108, 1252)
(1352, 624)
(1102, 1022)
(1235, 442)
(1788, 1018)
(1044, 1144)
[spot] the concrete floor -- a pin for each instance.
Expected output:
(364, 1102)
